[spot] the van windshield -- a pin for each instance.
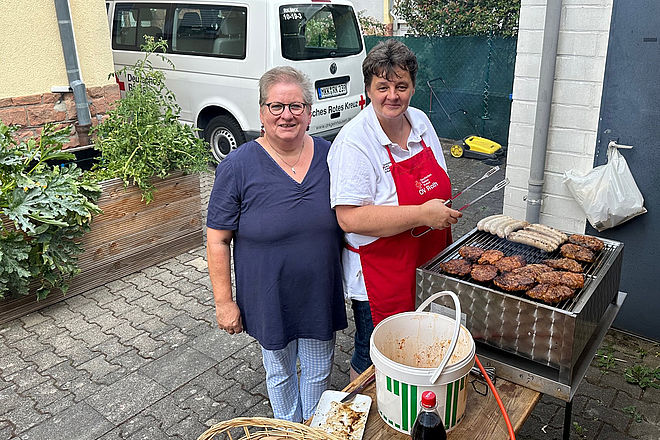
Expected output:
(316, 31)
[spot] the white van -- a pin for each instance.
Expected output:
(220, 49)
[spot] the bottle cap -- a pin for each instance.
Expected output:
(428, 399)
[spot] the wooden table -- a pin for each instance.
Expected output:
(482, 420)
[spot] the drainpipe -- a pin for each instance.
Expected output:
(543, 107)
(73, 71)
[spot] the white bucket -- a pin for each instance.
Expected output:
(405, 349)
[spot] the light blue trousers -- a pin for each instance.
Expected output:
(289, 400)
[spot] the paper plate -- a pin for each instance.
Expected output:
(346, 421)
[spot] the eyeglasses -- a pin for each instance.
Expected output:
(276, 108)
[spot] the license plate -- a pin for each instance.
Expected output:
(330, 91)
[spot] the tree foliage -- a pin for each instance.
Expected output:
(460, 17)
(369, 25)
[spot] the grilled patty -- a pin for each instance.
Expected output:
(564, 264)
(507, 264)
(550, 293)
(591, 243)
(490, 256)
(513, 281)
(483, 272)
(532, 270)
(459, 266)
(471, 253)
(570, 279)
(577, 252)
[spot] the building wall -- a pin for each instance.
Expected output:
(32, 62)
(576, 100)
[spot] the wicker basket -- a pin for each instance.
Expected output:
(262, 428)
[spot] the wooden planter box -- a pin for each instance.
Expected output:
(128, 236)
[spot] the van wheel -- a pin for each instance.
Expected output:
(224, 135)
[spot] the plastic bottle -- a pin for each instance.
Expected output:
(428, 425)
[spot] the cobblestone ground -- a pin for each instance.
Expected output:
(141, 358)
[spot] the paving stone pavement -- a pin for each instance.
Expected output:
(141, 358)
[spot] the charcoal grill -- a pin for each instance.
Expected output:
(543, 347)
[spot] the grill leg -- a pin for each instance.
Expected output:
(567, 419)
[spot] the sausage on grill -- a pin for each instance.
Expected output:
(591, 243)
(577, 252)
(483, 272)
(564, 264)
(459, 267)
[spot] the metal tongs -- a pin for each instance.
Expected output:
(498, 186)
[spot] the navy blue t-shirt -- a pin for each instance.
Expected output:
(287, 245)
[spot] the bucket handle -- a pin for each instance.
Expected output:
(457, 328)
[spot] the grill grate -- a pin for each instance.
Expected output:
(532, 255)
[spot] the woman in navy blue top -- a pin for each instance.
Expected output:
(271, 198)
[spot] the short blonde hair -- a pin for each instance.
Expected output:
(285, 74)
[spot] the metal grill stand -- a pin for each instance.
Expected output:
(542, 347)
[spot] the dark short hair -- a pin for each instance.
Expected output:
(385, 57)
(285, 74)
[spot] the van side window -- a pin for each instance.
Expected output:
(209, 30)
(133, 21)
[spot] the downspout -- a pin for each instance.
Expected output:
(73, 71)
(543, 107)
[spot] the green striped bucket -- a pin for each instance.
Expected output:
(405, 340)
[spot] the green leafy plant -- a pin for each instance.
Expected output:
(460, 17)
(633, 413)
(580, 430)
(142, 137)
(46, 208)
(643, 375)
(605, 359)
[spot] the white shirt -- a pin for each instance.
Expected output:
(360, 176)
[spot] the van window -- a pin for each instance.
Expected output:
(134, 21)
(318, 31)
(209, 30)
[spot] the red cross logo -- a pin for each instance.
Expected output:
(121, 83)
(362, 102)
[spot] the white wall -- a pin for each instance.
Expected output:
(575, 109)
(373, 8)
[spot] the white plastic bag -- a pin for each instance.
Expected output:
(608, 193)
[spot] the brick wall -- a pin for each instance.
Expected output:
(30, 113)
(580, 68)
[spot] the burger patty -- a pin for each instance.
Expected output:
(483, 272)
(471, 253)
(577, 252)
(459, 266)
(570, 279)
(550, 293)
(564, 264)
(507, 264)
(532, 270)
(490, 256)
(591, 243)
(513, 281)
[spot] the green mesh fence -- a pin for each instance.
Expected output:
(472, 81)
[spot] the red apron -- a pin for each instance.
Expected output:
(389, 263)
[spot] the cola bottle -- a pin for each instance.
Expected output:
(428, 425)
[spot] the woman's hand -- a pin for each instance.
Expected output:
(439, 216)
(228, 316)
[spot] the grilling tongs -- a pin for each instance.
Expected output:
(498, 186)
